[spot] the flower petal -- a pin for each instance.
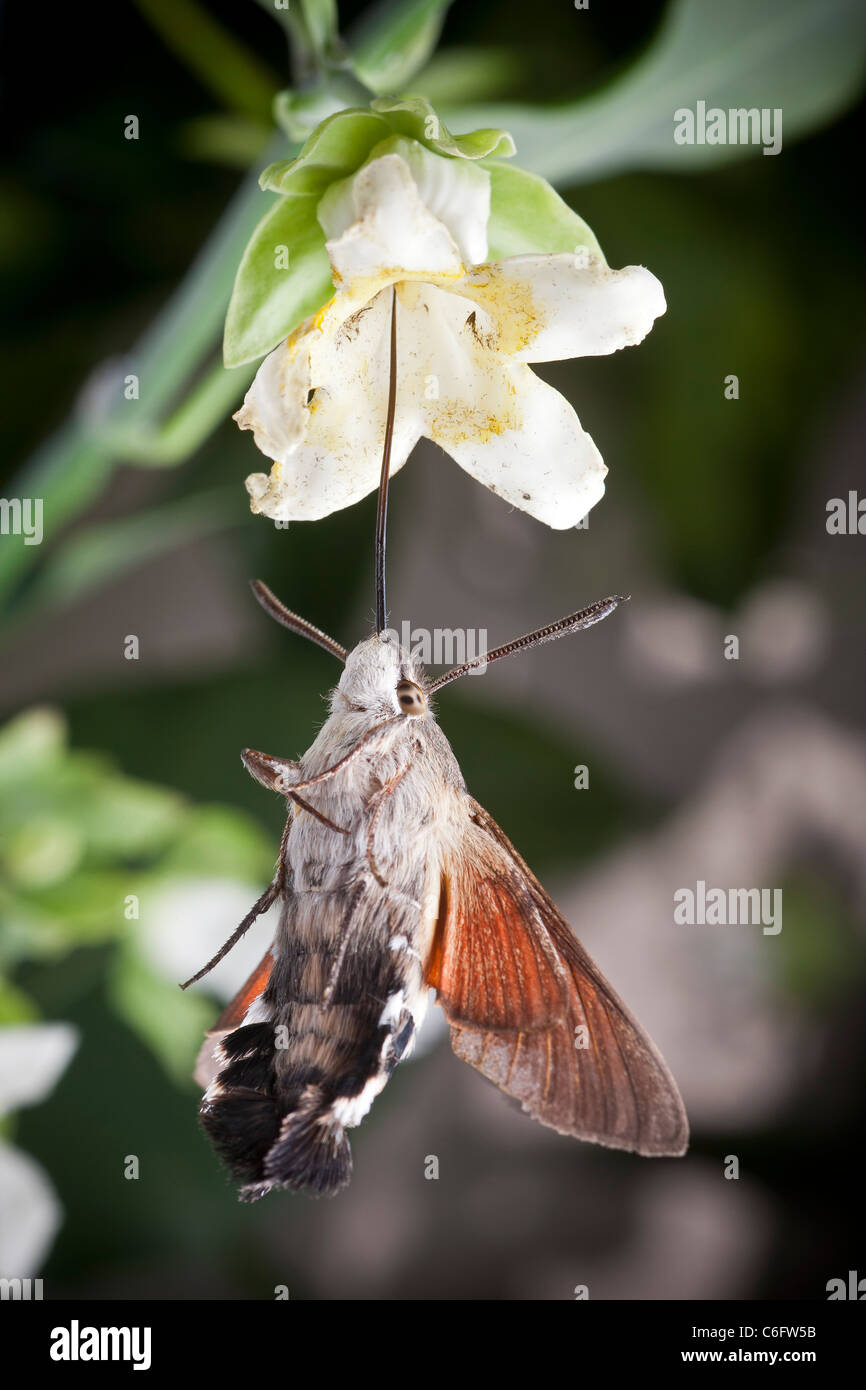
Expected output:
(378, 227)
(547, 465)
(327, 449)
(510, 430)
(274, 407)
(455, 191)
(32, 1058)
(548, 308)
(210, 909)
(30, 1214)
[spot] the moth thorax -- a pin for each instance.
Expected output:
(411, 698)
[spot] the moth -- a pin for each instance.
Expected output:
(392, 879)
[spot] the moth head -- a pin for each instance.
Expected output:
(382, 677)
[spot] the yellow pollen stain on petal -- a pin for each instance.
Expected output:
(411, 282)
(510, 303)
(463, 427)
(470, 419)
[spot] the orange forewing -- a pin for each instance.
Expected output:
(530, 1009)
(231, 1018)
(486, 967)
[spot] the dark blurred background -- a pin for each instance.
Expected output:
(743, 773)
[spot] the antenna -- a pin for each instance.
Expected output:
(286, 618)
(382, 510)
(575, 622)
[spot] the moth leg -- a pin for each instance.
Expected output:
(267, 900)
(377, 801)
(274, 773)
(345, 933)
(350, 757)
(299, 801)
(269, 771)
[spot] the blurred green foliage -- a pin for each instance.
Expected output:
(82, 844)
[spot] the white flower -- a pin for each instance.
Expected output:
(210, 910)
(414, 220)
(32, 1058)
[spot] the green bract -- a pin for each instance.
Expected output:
(285, 276)
(528, 216)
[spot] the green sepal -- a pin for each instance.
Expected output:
(300, 114)
(527, 216)
(416, 118)
(268, 301)
(339, 145)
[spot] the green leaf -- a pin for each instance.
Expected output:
(416, 118)
(269, 302)
(30, 745)
(67, 821)
(87, 907)
(802, 57)
(218, 841)
(170, 1021)
(42, 851)
(395, 40)
(128, 819)
(15, 1005)
(527, 215)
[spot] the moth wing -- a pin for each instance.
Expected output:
(232, 1017)
(531, 1010)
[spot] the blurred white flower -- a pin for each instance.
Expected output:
(414, 221)
(208, 911)
(32, 1058)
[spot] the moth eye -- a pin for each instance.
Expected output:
(411, 698)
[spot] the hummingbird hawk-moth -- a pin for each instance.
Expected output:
(392, 879)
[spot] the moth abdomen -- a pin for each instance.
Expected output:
(311, 1150)
(239, 1111)
(242, 1125)
(288, 1089)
